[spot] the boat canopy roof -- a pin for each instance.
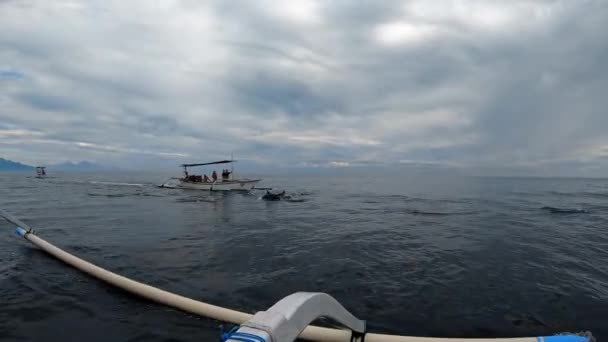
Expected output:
(41, 167)
(211, 163)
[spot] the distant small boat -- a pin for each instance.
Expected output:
(227, 181)
(40, 171)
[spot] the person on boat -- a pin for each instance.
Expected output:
(206, 179)
(214, 176)
(226, 174)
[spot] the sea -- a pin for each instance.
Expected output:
(422, 255)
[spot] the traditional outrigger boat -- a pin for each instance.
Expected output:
(227, 181)
(40, 171)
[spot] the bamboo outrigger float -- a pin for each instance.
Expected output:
(283, 322)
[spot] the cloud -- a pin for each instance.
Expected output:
(403, 32)
(468, 83)
(338, 164)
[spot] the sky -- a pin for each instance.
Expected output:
(497, 87)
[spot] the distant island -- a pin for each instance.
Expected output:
(6, 164)
(9, 165)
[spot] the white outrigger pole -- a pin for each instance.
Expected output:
(283, 322)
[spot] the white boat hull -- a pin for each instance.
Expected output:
(228, 185)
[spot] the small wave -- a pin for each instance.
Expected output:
(116, 183)
(147, 194)
(555, 210)
(123, 194)
(427, 213)
(560, 193)
(82, 248)
(106, 195)
(295, 197)
(595, 194)
(526, 320)
(438, 213)
(194, 200)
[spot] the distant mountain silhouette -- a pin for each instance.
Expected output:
(6, 164)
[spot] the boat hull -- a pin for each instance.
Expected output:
(230, 185)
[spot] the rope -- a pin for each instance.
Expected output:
(225, 335)
(237, 336)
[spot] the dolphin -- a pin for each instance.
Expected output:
(269, 196)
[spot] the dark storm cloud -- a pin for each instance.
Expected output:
(473, 84)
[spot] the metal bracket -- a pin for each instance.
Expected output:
(285, 320)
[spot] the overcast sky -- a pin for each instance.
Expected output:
(479, 84)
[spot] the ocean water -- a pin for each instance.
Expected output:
(413, 255)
